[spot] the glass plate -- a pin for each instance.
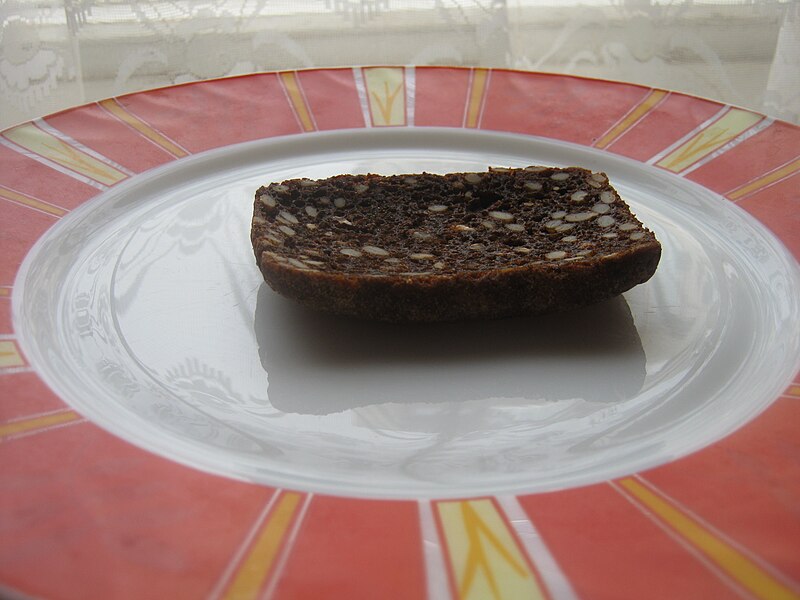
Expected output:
(158, 326)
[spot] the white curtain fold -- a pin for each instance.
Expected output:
(59, 53)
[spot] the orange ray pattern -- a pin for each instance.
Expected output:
(10, 356)
(113, 106)
(758, 184)
(28, 425)
(742, 569)
(253, 571)
(31, 202)
(637, 113)
(476, 97)
(296, 97)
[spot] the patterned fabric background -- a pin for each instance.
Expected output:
(59, 53)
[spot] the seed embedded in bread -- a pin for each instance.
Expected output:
(472, 178)
(578, 217)
(501, 215)
(375, 251)
(579, 196)
(287, 217)
(605, 221)
(423, 247)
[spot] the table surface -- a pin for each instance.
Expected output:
(85, 514)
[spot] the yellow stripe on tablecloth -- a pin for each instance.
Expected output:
(732, 124)
(477, 89)
(49, 146)
(292, 87)
(639, 111)
(769, 178)
(152, 134)
(33, 424)
(484, 557)
(252, 574)
(733, 562)
(10, 355)
(31, 202)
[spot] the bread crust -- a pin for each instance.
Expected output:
(498, 293)
(538, 286)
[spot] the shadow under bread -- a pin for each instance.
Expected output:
(322, 364)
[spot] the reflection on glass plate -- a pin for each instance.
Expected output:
(145, 311)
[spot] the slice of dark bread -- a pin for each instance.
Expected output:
(449, 247)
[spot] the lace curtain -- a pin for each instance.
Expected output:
(59, 53)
